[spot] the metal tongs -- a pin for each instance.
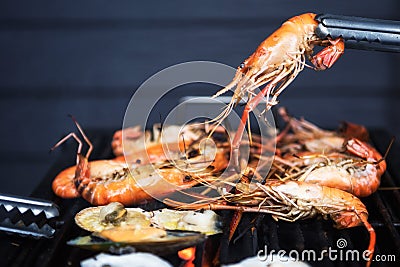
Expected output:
(361, 33)
(27, 216)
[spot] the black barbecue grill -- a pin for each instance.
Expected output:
(255, 232)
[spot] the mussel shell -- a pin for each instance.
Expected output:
(209, 221)
(171, 243)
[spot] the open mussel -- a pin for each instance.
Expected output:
(97, 219)
(161, 231)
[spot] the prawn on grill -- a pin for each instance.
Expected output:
(101, 182)
(292, 201)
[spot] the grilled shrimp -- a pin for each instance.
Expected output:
(357, 170)
(103, 181)
(276, 63)
(301, 135)
(132, 141)
(172, 142)
(292, 201)
(329, 158)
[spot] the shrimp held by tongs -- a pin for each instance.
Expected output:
(275, 64)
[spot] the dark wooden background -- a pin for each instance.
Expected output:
(87, 58)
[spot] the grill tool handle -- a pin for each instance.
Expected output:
(361, 33)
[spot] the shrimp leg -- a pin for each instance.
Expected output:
(239, 133)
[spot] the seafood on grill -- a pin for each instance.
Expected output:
(173, 143)
(276, 63)
(113, 213)
(161, 143)
(103, 181)
(300, 135)
(292, 201)
(357, 170)
(328, 158)
(161, 231)
(132, 139)
(122, 219)
(132, 234)
(154, 240)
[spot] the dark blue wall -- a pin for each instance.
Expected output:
(88, 57)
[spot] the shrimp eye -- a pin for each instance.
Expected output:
(187, 178)
(242, 65)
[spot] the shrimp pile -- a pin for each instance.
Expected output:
(331, 158)
(315, 172)
(144, 174)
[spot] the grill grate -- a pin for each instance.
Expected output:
(254, 232)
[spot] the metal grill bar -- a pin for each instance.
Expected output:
(387, 220)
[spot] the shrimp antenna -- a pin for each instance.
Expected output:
(83, 134)
(73, 135)
(65, 138)
(387, 150)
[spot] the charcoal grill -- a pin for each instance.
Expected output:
(254, 232)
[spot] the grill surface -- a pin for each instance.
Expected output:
(255, 232)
